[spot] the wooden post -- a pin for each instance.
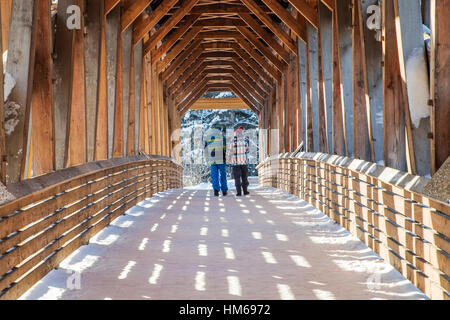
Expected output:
(321, 102)
(2, 112)
(127, 78)
(20, 65)
(5, 8)
(101, 124)
(309, 145)
(137, 94)
(42, 97)
(339, 135)
(95, 82)
(393, 105)
(131, 108)
(118, 110)
(362, 127)
(76, 144)
(440, 83)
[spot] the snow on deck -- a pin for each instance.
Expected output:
(188, 244)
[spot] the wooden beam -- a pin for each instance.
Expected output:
(76, 145)
(133, 11)
(171, 23)
(330, 4)
(174, 37)
(181, 71)
(258, 58)
(2, 111)
(440, 77)
(101, 125)
(131, 135)
(305, 9)
(110, 5)
(267, 38)
(321, 101)
(20, 65)
(180, 59)
(118, 110)
(393, 109)
(144, 26)
(362, 127)
(42, 97)
(5, 7)
(221, 103)
(288, 19)
(269, 22)
(410, 155)
(339, 140)
(177, 49)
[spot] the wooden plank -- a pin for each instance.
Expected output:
(306, 10)
(118, 143)
(174, 37)
(171, 22)
(279, 64)
(410, 156)
(362, 143)
(268, 21)
(127, 52)
(321, 101)
(93, 42)
(257, 57)
(110, 5)
(288, 19)
(339, 140)
(42, 96)
(177, 49)
(20, 66)
(2, 109)
(440, 75)
(144, 26)
(131, 111)
(180, 59)
(133, 11)
(393, 110)
(223, 103)
(101, 125)
(5, 9)
(309, 145)
(76, 144)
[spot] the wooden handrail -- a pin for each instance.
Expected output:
(57, 213)
(408, 229)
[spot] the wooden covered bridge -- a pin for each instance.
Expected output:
(353, 99)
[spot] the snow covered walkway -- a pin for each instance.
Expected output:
(187, 244)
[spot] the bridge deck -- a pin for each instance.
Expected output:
(186, 244)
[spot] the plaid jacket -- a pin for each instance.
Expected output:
(239, 151)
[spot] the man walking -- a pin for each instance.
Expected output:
(215, 151)
(239, 161)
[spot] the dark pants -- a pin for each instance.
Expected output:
(240, 174)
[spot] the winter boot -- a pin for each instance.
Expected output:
(216, 193)
(224, 193)
(246, 193)
(238, 192)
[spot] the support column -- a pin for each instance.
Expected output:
(42, 137)
(20, 65)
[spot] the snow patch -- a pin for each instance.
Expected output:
(11, 117)
(9, 84)
(418, 90)
(5, 196)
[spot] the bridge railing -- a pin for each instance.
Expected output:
(55, 214)
(383, 207)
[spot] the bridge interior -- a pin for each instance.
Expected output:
(352, 98)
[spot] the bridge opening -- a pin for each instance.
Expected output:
(216, 109)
